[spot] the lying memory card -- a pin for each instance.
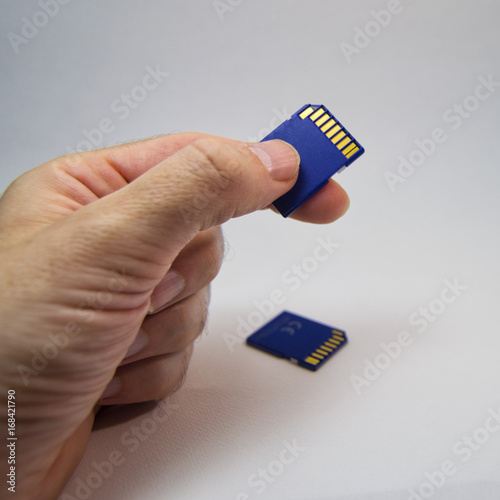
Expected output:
(305, 342)
(325, 147)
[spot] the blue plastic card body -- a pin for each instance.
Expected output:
(324, 146)
(305, 342)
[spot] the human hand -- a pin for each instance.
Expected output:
(105, 263)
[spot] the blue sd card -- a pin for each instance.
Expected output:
(303, 341)
(324, 146)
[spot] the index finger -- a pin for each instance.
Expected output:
(133, 159)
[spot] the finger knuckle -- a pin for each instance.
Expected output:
(174, 379)
(213, 157)
(187, 320)
(214, 254)
(184, 367)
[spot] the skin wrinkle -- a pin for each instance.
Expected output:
(118, 166)
(186, 320)
(72, 187)
(99, 178)
(226, 179)
(86, 234)
(213, 253)
(153, 151)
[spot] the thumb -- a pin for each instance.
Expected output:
(210, 181)
(202, 185)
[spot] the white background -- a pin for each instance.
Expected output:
(232, 73)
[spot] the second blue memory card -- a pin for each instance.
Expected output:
(305, 342)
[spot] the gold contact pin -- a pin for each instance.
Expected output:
(319, 356)
(326, 348)
(320, 351)
(333, 131)
(334, 341)
(343, 143)
(353, 151)
(330, 123)
(337, 137)
(328, 343)
(322, 120)
(306, 112)
(349, 148)
(317, 114)
(312, 361)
